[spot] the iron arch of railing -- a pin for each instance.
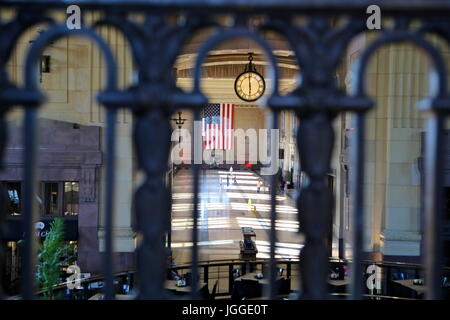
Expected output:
(55, 32)
(130, 30)
(437, 108)
(398, 37)
(238, 31)
(10, 32)
(154, 100)
(318, 48)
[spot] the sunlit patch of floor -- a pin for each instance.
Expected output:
(241, 206)
(260, 207)
(260, 223)
(238, 222)
(246, 178)
(209, 223)
(237, 173)
(253, 196)
(240, 187)
(182, 196)
(231, 195)
(181, 207)
(282, 250)
(202, 243)
(224, 210)
(238, 182)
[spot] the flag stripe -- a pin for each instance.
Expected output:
(225, 113)
(221, 129)
(231, 127)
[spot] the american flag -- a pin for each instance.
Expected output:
(218, 125)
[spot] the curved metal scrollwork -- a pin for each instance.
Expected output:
(437, 108)
(319, 46)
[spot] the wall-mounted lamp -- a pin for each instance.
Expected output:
(179, 122)
(44, 63)
(44, 66)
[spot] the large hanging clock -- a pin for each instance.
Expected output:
(249, 85)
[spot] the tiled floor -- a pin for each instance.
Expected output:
(223, 211)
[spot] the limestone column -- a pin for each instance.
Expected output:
(401, 82)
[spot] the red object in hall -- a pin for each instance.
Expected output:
(248, 165)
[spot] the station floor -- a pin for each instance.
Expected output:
(224, 210)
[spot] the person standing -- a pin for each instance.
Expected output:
(280, 179)
(232, 176)
(258, 186)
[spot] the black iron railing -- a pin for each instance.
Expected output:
(226, 272)
(319, 45)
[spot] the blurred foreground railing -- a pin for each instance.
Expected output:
(319, 44)
(224, 275)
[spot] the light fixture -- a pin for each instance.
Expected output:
(179, 122)
(45, 64)
(44, 61)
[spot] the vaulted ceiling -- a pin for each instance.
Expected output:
(228, 59)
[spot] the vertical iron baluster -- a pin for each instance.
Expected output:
(3, 202)
(230, 279)
(3, 213)
(273, 214)
(315, 139)
(196, 172)
(433, 205)
(111, 119)
(357, 185)
(32, 59)
(151, 135)
(206, 274)
(29, 204)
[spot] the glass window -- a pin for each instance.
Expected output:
(51, 198)
(13, 189)
(70, 199)
(55, 198)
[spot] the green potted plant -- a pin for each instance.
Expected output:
(53, 253)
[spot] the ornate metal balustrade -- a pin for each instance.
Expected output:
(319, 45)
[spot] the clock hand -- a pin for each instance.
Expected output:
(249, 86)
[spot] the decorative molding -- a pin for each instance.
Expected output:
(88, 184)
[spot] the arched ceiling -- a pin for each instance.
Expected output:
(228, 59)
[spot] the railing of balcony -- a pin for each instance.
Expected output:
(319, 45)
(386, 279)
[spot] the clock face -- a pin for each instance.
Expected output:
(249, 86)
